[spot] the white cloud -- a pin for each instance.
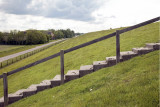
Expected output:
(24, 22)
(0, 2)
(118, 13)
(81, 16)
(64, 9)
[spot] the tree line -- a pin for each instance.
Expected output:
(62, 33)
(31, 37)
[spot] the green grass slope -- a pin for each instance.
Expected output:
(73, 60)
(133, 83)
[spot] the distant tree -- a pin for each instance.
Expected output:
(49, 37)
(5, 38)
(52, 30)
(31, 38)
(42, 38)
(1, 37)
(34, 36)
(59, 34)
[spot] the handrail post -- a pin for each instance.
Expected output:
(5, 87)
(62, 65)
(117, 47)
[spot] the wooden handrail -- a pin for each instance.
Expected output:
(139, 25)
(90, 42)
(32, 64)
(57, 54)
(83, 45)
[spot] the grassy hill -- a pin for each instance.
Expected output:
(133, 83)
(73, 60)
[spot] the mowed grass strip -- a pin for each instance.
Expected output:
(133, 83)
(11, 49)
(75, 59)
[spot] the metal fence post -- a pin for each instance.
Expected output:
(5, 87)
(117, 47)
(62, 65)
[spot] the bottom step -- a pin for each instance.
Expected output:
(2, 102)
(13, 98)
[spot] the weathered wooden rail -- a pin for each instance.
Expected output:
(62, 52)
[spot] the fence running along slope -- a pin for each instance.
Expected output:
(62, 52)
(86, 44)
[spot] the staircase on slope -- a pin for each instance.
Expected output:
(75, 74)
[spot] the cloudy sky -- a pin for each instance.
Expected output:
(78, 15)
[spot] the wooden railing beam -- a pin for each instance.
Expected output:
(83, 45)
(139, 25)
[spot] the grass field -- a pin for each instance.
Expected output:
(11, 49)
(8, 47)
(20, 57)
(73, 60)
(133, 83)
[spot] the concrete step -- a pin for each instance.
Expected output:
(154, 46)
(26, 92)
(99, 64)
(39, 87)
(2, 102)
(112, 60)
(142, 50)
(33, 87)
(86, 69)
(72, 74)
(13, 98)
(127, 55)
(44, 85)
(20, 94)
(56, 81)
(47, 82)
